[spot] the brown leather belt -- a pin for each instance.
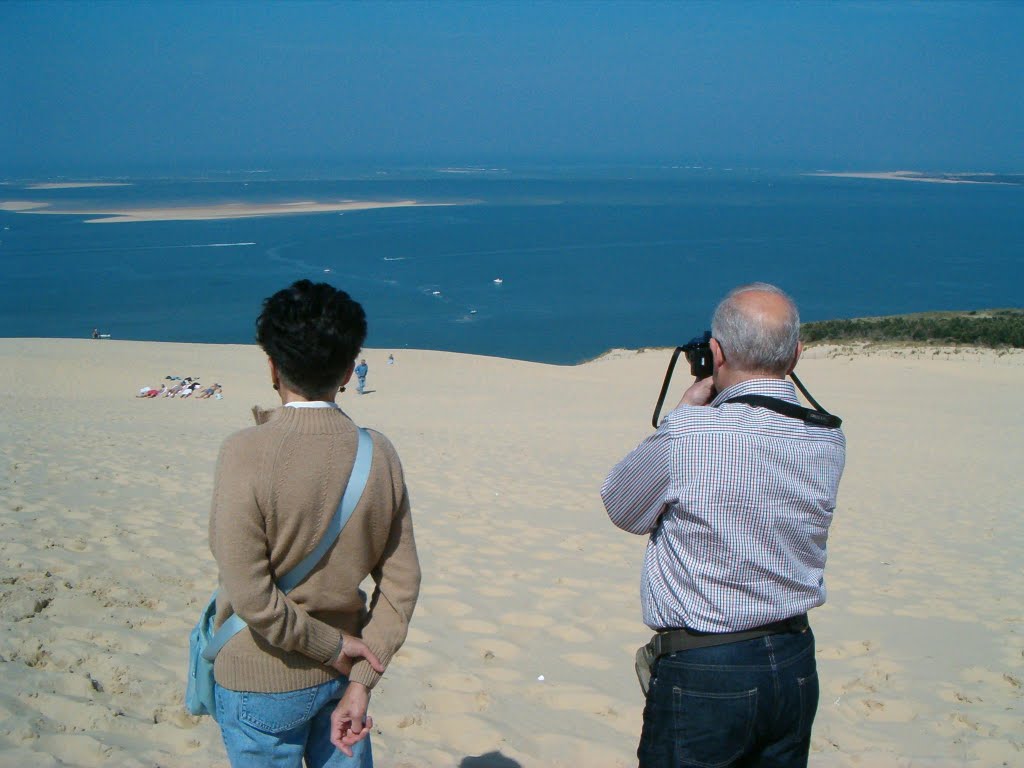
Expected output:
(675, 640)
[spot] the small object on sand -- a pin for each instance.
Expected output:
(540, 678)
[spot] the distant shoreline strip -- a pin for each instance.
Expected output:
(209, 212)
(930, 178)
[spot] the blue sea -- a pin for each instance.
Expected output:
(587, 259)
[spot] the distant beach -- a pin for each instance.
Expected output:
(932, 178)
(199, 212)
(76, 184)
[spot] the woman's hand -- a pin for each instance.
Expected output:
(349, 722)
(353, 648)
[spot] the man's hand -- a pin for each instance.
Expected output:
(349, 723)
(353, 648)
(701, 392)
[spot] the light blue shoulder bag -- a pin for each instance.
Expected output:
(204, 643)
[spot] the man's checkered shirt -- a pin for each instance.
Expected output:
(737, 501)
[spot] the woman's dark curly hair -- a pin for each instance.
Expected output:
(312, 332)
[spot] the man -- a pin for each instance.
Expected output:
(737, 499)
(361, 370)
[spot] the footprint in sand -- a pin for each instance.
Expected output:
(555, 593)
(447, 607)
(573, 698)
(570, 633)
(849, 649)
(527, 620)
(416, 658)
(546, 557)
(495, 592)
(588, 661)
(437, 589)
(476, 626)
(493, 649)
(502, 674)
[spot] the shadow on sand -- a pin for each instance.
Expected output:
(490, 760)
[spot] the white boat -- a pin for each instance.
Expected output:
(498, 281)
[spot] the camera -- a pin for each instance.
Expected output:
(702, 365)
(698, 353)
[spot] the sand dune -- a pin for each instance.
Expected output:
(104, 563)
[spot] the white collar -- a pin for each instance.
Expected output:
(313, 404)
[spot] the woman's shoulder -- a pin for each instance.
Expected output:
(382, 444)
(249, 439)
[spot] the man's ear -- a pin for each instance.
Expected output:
(275, 378)
(717, 355)
(796, 357)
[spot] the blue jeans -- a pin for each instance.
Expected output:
(745, 704)
(282, 729)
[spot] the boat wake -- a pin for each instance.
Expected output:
(218, 245)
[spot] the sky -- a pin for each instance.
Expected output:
(112, 87)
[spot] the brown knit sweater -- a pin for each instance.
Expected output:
(277, 486)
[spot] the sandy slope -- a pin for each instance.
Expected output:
(103, 557)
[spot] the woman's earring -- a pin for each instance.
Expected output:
(277, 386)
(341, 389)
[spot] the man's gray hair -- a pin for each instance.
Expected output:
(749, 340)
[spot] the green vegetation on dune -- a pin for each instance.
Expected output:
(982, 328)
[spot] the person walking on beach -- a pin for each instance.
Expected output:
(737, 499)
(361, 370)
(294, 684)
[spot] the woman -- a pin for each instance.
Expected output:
(295, 684)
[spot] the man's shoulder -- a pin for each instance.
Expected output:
(693, 419)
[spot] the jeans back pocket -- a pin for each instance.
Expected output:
(713, 728)
(277, 712)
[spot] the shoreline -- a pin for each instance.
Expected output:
(815, 350)
(208, 212)
(929, 178)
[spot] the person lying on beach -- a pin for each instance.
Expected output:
(152, 391)
(209, 392)
(187, 381)
(186, 391)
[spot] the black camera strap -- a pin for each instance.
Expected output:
(819, 418)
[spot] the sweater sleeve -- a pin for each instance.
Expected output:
(397, 584)
(238, 539)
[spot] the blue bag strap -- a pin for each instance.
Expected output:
(349, 499)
